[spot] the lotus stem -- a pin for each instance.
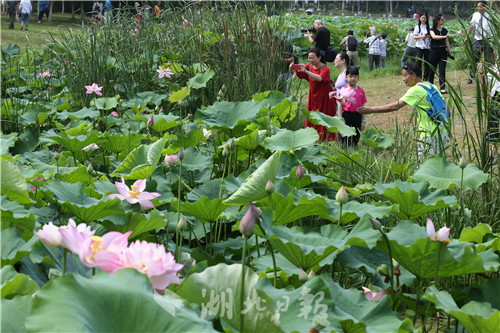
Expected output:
(242, 282)
(274, 263)
(392, 266)
(64, 262)
(339, 222)
(177, 245)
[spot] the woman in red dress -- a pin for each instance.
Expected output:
(320, 84)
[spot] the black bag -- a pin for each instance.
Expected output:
(352, 43)
(330, 55)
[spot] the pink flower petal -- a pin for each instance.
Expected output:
(141, 185)
(431, 232)
(443, 234)
(119, 196)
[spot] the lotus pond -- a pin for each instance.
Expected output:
(156, 178)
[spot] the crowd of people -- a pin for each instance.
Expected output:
(426, 55)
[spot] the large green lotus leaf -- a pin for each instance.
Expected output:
(353, 211)
(72, 199)
(477, 235)
(141, 162)
(332, 124)
(14, 313)
(302, 250)
(343, 310)
(440, 173)
(120, 302)
(164, 122)
(14, 248)
(200, 80)
(474, 316)
(269, 98)
(415, 251)
(67, 174)
(145, 97)
(196, 160)
(372, 138)
(311, 154)
(361, 235)
(12, 182)
(217, 290)
(286, 139)
(254, 187)
(14, 283)
(14, 214)
(414, 199)
(286, 210)
(11, 50)
(8, 141)
(285, 110)
(180, 94)
(72, 143)
(252, 140)
(118, 143)
(229, 114)
(30, 117)
(105, 103)
(138, 223)
(89, 113)
(204, 209)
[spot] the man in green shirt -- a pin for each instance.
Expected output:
(433, 137)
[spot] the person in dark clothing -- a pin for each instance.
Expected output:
(321, 38)
(440, 48)
(12, 12)
(43, 8)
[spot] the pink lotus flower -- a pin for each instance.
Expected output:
(50, 235)
(441, 236)
(136, 194)
(152, 260)
(92, 146)
(348, 94)
(371, 296)
(33, 187)
(94, 88)
(44, 74)
(136, 32)
(395, 25)
(73, 237)
(105, 252)
(164, 72)
(115, 114)
(171, 159)
(300, 172)
(459, 32)
(185, 22)
(247, 223)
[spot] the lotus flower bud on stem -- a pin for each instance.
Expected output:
(90, 168)
(303, 275)
(231, 144)
(247, 224)
(269, 186)
(182, 224)
(300, 172)
(342, 196)
(171, 159)
(376, 225)
(56, 155)
(180, 154)
(104, 105)
(311, 274)
(225, 151)
(150, 122)
(463, 162)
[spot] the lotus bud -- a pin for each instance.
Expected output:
(56, 155)
(247, 223)
(104, 105)
(383, 270)
(116, 87)
(58, 214)
(151, 121)
(90, 168)
(376, 225)
(311, 274)
(463, 162)
(342, 196)
(182, 224)
(395, 263)
(303, 275)
(231, 144)
(161, 109)
(128, 127)
(300, 172)
(68, 165)
(225, 151)
(171, 159)
(269, 186)
(180, 154)
(69, 100)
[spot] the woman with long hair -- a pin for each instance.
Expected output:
(320, 84)
(440, 48)
(423, 44)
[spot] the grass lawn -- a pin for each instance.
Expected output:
(38, 34)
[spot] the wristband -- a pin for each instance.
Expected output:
(363, 121)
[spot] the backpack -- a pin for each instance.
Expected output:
(352, 43)
(330, 54)
(439, 112)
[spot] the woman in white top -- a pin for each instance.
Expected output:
(25, 9)
(411, 51)
(423, 43)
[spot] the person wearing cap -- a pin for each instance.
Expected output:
(411, 51)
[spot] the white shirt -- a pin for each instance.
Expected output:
(410, 40)
(482, 25)
(25, 7)
(423, 43)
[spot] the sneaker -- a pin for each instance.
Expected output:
(22, 27)
(26, 29)
(39, 22)
(443, 91)
(469, 81)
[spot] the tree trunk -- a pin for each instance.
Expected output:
(390, 4)
(62, 6)
(343, 4)
(50, 10)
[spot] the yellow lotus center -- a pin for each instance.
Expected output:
(446, 241)
(96, 247)
(134, 193)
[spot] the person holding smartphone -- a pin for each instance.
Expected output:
(423, 43)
